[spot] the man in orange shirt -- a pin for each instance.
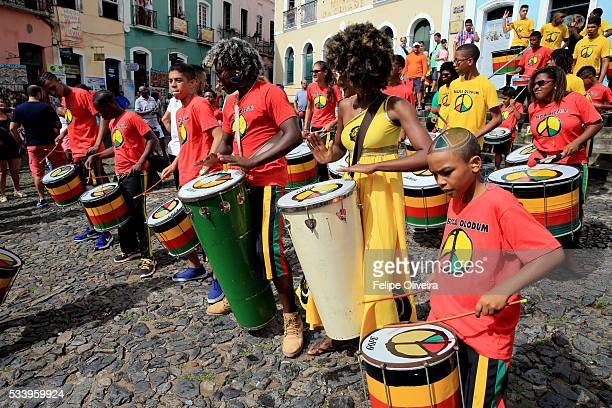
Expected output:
(415, 71)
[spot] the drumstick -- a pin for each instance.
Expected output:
(550, 159)
(418, 292)
(162, 191)
(148, 189)
(49, 154)
(444, 319)
(237, 124)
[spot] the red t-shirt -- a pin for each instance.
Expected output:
(262, 110)
(127, 134)
(402, 90)
(532, 60)
(81, 118)
(324, 110)
(485, 242)
(195, 122)
(600, 94)
(555, 126)
(509, 119)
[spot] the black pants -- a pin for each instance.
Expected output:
(322, 168)
(134, 235)
(176, 172)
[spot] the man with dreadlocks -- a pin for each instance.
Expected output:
(267, 130)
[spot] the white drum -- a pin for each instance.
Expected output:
(520, 155)
(332, 168)
(498, 136)
(324, 221)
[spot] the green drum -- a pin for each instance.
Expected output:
(219, 210)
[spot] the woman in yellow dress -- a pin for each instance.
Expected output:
(361, 56)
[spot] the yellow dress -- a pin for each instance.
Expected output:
(382, 215)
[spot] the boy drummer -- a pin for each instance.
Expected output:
(492, 247)
(133, 142)
(267, 130)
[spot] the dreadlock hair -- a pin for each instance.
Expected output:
(450, 67)
(104, 98)
(457, 140)
(563, 59)
(329, 79)
(557, 75)
(234, 53)
(362, 55)
(46, 76)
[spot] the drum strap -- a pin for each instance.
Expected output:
(363, 128)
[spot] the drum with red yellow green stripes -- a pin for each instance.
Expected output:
(105, 207)
(502, 57)
(302, 167)
(10, 265)
(173, 228)
(412, 367)
(425, 204)
(64, 185)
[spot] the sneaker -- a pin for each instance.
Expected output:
(220, 308)
(3, 199)
(215, 293)
(42, 203)
(19, 194)
(190, 274)
(293, 338)
(104, 240)
(121, 257)
(86, 235)
(147, 267)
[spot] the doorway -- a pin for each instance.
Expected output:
(111, 68)
(492, 39)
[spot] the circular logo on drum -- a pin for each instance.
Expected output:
(320, 101)
(60, 171)
(212, 181)
(533, 60)
(456, 253)
(183, 133)
(165, 209)
(531, 175)
(7, 261)
(586, 52)
(463, 103)
(549, 127)
(418, 343)
(117, 138)
(422, 173)
(68, 116)
(551, 37)
(316, 191)
(528, 150)
(242, 123)
(102, 191)
(505, 115)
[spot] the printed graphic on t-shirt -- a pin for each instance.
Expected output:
(353, 133)
(505, 115)
(117, 138)
(533, 60)
(587, 51)
(243, 125)
(320, 101)
(444, 101)
(68, 116)
(549, 127)
(463, 103)
(552, 37)
(182, 129)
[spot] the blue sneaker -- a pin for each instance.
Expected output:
(86, 235)
(215, 293)
(104, 240)
(190, 274)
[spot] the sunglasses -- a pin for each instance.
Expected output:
(316, 71)
(458, 60)
(543, 82)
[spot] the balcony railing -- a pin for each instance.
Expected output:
(289, 18)
(227, 32)
(309, 12)
(144, 18)
(177, 25)
(206, 34)
(38, 6)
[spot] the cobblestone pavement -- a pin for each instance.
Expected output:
(76, 322)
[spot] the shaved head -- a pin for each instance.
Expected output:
(457, 140)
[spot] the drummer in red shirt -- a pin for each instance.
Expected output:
(211, 96)
(512, 111)
(268, 130)
(532, 59)
(600, 95)
(85, 139)
(133, 142)
(397, 86)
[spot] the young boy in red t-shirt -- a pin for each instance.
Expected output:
(492, 247)
(600, 95)
(512, 111)
(133, 142)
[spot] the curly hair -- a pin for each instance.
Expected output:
(557, 75)
(234, 53)
(563, 59)
(362, 55)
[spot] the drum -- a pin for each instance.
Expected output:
(64, 185)
(414, 366)
(105, 207)
(10, 265)
(520, 81)
(498, 136)
(501, 57)
(302, 167)
(323, 221)
(551, 193)
(332, 168)
(173, 228)
(410, 150)
(520, 155)
(425, 204)
(218, 206)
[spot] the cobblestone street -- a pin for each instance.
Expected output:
(76, 322)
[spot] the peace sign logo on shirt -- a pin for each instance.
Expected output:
(243, 125)
(183, 133)
(552, 37)
(117, 138)
(505, 115)
(456, 252)
(353, 133)
(463, 103)
(549, 127)
(586, 52)
(533, 60)
(445, 100)
(320, 101)
(68, 116)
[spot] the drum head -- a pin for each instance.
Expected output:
(210, 184)
(433, 135)
(164, 212)
(521, 154)
(99, 192)
(316, 194)
(419, 179)
(9, 261)
(408, 347)
(540, 174)
(343, 162)
(500, 132)
(59, 173)
(300, 151)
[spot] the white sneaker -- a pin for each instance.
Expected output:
(3, 199)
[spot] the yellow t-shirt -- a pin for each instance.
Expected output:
(552, 36)
(574, 84)
(591, 52)
(524, 27)
(469, 102)
(443, 101)
(605, 26)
